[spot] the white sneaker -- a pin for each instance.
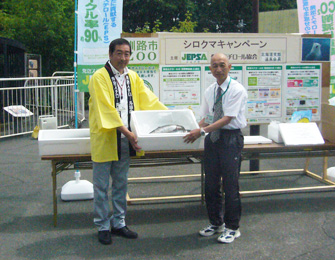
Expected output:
(229, 235)
(210, 230)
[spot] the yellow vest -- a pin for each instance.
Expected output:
(104, 118)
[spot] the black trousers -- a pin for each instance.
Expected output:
(222, 164)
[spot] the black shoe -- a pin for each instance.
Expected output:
(105, 237)
(124, 232)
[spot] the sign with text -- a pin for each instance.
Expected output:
(150, 75)
(317, 17)
(144, 50)
(180, 86)
(99, 22)
(238, 48)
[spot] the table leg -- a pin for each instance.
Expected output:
(54, 189)
(307, 164)
(325, 167)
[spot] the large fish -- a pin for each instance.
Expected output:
(169, 129)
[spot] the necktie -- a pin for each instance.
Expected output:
(215, 135)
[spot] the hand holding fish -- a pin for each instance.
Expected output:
(192, 136)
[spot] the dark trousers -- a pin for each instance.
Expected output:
(222, 164)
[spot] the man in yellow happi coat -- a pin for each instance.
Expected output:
(115, 91)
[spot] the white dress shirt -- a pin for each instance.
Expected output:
(233, 103)
(121, 79)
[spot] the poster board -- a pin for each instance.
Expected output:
(264, 86)
(180, 87)
(266, 64)
(302, 90)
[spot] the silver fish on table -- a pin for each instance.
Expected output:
(169, 129)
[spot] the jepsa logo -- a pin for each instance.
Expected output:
(194, 57)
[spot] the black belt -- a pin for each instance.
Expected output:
(230, 131)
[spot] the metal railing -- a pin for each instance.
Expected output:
(24, 100)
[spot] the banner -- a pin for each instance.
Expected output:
(317, 17)
(99, 22)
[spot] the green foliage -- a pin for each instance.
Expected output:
(273, 5)
(44, 27)
(144, 29)
(137, 12)
(185, 26)
(156, 27)
(208, 16)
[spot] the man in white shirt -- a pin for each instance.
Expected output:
(222, 114)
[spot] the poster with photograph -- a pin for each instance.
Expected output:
(315, 49)
(302, 90)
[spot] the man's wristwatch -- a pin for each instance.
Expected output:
(202, 132)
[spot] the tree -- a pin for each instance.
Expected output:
(138, 13)
(44, 27)
(274, 5)
(222, 16)
(185, 26)
(212, 16)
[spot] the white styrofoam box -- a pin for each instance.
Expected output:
(331, 174)
(256, 139)
(47, 122)
(64, 141)
(274, 133)
(143, 122)
(301, 133)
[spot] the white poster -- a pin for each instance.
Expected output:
(303, 90)
(181, 87)
(235, 73)
(208, 78)
(263, 84)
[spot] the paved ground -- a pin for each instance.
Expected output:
(288, 226)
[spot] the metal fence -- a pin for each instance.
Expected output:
(24, 101)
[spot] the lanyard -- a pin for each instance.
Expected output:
(117, 82)
(121, 87)
(220, 97)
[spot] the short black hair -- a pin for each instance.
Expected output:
(118, 41)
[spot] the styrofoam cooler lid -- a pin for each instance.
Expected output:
(331, 173)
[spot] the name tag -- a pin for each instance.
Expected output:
(209, 119)
(121, 108)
